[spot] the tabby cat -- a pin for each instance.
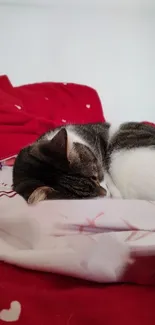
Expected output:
(73, 161)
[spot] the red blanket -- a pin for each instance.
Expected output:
(50, 299)
(39, 298)
(28, 111)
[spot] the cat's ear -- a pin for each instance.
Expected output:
(54, 149)
(58, 144)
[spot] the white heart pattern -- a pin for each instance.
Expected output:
(12, 314)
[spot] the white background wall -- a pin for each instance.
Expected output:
(109, 45)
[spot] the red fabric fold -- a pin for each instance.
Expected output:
(28, 111)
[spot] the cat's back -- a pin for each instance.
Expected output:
(132, 135)
(132, 162)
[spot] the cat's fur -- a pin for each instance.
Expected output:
(71, 161)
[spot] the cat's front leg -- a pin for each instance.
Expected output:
(39, 194)
(113, 190)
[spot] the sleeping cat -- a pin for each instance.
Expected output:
(73, 161)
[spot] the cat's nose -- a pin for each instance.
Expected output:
(102, 191)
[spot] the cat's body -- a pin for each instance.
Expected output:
(72, 161)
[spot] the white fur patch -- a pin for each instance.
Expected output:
(73, 137)
(133, 173)
(50, 135)
(113, 129)
(112, 190)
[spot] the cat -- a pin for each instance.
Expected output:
(76, 161)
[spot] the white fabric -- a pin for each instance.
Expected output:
(91, 239)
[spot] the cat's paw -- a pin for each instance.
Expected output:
(39, 194)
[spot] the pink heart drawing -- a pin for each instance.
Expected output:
(12, 314)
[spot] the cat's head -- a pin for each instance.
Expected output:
(69, 170)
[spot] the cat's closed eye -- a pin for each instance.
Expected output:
(94, 178)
